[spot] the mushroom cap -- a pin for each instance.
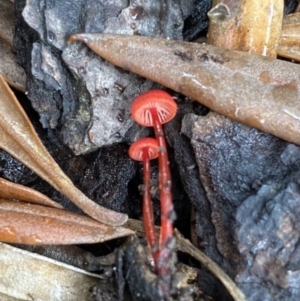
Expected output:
(160, 100)
(144, 144)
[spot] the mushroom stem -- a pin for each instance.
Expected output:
(166, 200)
(148, 215)
(145, 150)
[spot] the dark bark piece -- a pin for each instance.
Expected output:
(108, 176)
(89, 105)
(143, 282)
(144, 285)
(13, 170)
(197, 23)
(268, 236)
(189, 174)
(234, 162)
(71, 255)
(98, 294)
(290, 6)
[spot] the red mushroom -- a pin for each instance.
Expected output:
(145, 150)
(155, 108)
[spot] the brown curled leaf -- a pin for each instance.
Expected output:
(29, 276)
(258, 91)
(34, 224)
(289, 52)
(185, 246)
(19, 139)
(289, 44)
(10, 190)
(290, 34)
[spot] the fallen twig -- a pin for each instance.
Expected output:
(184, 245)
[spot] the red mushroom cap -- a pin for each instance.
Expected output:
(160, 100)
(137, 148)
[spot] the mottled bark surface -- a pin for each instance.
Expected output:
(72, 89)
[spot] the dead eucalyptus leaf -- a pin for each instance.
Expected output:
(27, 276)
(7, 19)
(33, 224)
(10, 190)
(19, 139)
(9, 69)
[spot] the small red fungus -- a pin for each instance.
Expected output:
(145, 150)
(155, 108)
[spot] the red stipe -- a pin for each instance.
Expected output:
(145, 150)
(155, 108)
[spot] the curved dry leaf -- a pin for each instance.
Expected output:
(289, 52)
(290, 35)
(10, 190)
(289, 46)
(258, 91)
(19, 139)
(33, 224)
(291, 18)
(30, 276)
(7, 19)
(9, 69)
(20, 207)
